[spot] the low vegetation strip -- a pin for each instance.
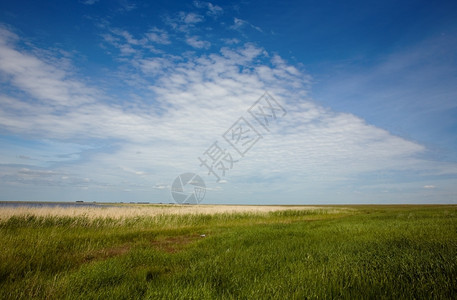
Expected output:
(326, 252)
(117, 211)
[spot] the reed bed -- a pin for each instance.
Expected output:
(133, 211)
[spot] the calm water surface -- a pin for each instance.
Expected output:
(49, 204)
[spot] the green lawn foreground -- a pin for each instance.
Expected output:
(400, 252)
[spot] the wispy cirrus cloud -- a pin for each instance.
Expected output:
(239, 24)
(417, 82)
(42, 81)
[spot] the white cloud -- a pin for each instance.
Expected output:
(212, 9)
(161, 186)
(128, 45)
(158, 36)
(195, 100)
(89, 2)
(238, 24)
(128, 37)
(430, 186)
(184, 22)
(42, 81)
(190, 18)
(231, 41)
(153, 66)
(199, 4)
(195, 42)
(127, 5)
(43, 177)
(132, 171)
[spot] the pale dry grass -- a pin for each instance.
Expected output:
(130, 211)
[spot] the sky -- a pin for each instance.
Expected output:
(269, 102)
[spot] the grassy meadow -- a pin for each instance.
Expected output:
(229, 252)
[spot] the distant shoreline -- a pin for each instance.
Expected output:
(94, 203)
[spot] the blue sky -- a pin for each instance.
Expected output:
(111, 100)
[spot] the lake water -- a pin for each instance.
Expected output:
(49, 204)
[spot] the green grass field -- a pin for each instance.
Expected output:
(400, 252)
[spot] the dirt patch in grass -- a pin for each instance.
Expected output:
(106, 253)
